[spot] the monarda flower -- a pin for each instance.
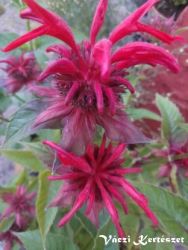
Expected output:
(9, 239)
(172, 153)
(165, 82)
(96, 180)
(90, 77)
(21, 71)
(20, 204)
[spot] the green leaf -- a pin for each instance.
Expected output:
(142, 113)
(130, 224)
(170, 209)
(171, 120)
(6, 223)
(18, 3)
(45, 216)
(32, 241)
(21, 124)
(106, 229)
(5, 38)
(24, 158)
(149, 233)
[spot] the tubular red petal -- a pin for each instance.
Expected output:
(90, 153)
(128, 24)
(26, 38)
(39, 11)
(128, 171)
(28, 14)
(118, 196)
(72, 92)
(8, 62)
(102, 55)
(71, 176)
(111, 208)
(115, 155)
(126, 83)
(68, 158)
(102, 149)
(77, 205)
(55, 178)
(111, 99)
(59, 49)
(146, 51)
(119, 128)
(157, 33)
(91, 200)
(140, 200)
(98, 20)
(55, 111)
(99, 96)
(57, 26)
(44, 91)
(62, 66)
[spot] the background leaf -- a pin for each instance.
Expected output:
(171, 121)
(32, 241)
(45, 216)
(21, 124)
(23, 157)
(170, 209)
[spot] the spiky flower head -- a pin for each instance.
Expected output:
(96, 180)
(20, 205)
(90, 77)
(21, 71)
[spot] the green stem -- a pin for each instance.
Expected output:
(173, 176)
(31, 43)
(18, 98)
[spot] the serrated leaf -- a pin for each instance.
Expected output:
(170, 209)
(106, 230)
(23, 157)
(142, 113)
(32, 241)
(150, 233)
(6, 223)
(171, 120)
(21, 124)
(45, 216)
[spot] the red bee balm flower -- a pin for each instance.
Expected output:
(20, 204)
(21, 71)
(9, 239)
(96, 178)
(90, 77)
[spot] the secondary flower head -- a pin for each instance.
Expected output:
(21, 71)
(20, 204)
(181, 164)
(9, 239)
(96, 180)
(91, 76)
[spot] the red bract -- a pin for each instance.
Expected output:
(165, 82)
(181, 164)
(90, 77)
(20, 204)
(21, 71)
(96, 179)
(9, 239)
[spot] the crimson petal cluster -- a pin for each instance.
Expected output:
(20, 206)
(21, 71)
(96, 179)
(89, 78)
